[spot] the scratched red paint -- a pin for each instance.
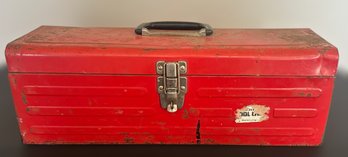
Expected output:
(98, 86)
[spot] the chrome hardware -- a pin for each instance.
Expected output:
(171, 85)
(172, 107)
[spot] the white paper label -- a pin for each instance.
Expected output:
(252, 114)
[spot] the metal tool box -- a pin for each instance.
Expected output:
(171, 83)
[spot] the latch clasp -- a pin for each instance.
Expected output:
(171, 84)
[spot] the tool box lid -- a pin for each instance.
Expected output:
(268, 52)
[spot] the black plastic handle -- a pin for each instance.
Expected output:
(174, 25)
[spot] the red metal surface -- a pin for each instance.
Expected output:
(98, 85)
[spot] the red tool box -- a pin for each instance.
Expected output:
(171, 83)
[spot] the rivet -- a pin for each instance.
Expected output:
(182, 87)
(160, 67)
(182, 67)
(160, 87)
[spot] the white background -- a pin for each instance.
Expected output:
(329, 18)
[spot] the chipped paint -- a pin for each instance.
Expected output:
(235, 140)
(24, 98)
(24, 133)
(185, 114)
(149, 139)
(309, 39)
(14, 80)
(194, 112)
(20, 120)
(150, 49)
(209, 141)
(128, 140)
(324, 50)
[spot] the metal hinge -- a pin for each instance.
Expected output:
(171, 84)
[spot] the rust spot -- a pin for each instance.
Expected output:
(209, 141)
(198, 47)
(24, 98)
(128, 140)
(16, 47)
(149, 139)
(185, 115)
(13, 48)
(14, 81)
(301, 94)
(235, 140)
(150, 49)
(36, 38)
(309, 39)
(324, 50)
(194, 112)
(124, 133)
(34, 110)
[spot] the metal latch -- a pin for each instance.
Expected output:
(171, 84)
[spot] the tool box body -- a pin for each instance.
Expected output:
(100, 86)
